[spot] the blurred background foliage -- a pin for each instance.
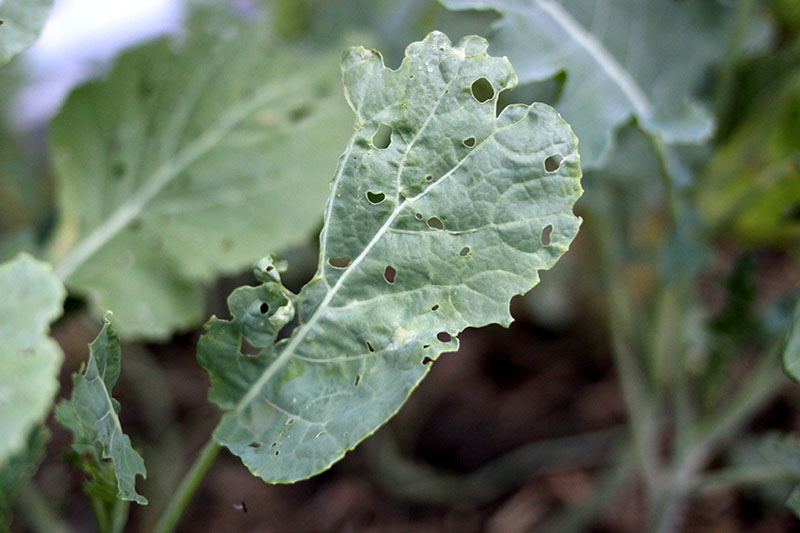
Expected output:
(655, 336)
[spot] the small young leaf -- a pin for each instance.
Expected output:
(20, 24)
(32, 297)
(369, 329)
(609, 80)
(93, 417)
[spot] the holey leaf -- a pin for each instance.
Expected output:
(20, 24)
(31, 297)
(187, 162)
(621, 59)
(439, 212)
(93, 417)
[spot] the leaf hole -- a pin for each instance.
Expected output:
(435, 307)
(264, 308)
(435, 223)
(318, 435)
(357, 381)
(370, 347)
(299, 113)
(482, 90)
(443, 336)
(254, 444)
(546, 233)
(427, 360)
(339, 262)
(375, 197)
(418, 216)
(464, 251)
(469, 142)
(274, 444)
(247, 349)
(389, 274)
(428, 178)
(118, 169)
(553, 163)
(426, 346)
(383, 137)
(277, 452)
(290, 422)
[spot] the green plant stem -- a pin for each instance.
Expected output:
(38, 514)
(725, 86)
(187, 488)
(762, 385)
(119, 515)
(638, 403)
(418, 482)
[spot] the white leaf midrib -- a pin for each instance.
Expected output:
(162, 176)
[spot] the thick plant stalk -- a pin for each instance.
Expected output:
(187, 488)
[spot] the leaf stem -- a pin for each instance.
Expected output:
(639, 403)
(188, 486)
(763, 383)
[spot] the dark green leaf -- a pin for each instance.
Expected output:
(93, 417)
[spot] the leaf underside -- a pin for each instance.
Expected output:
(439, 212)
(622, 59)
(105, 451)
(22, 20)
(32, 297)
(204, 153)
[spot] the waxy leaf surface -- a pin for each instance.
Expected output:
(20, 24)
(189, 161)
(440, 211)
(93, 417)
(32, 297)
(621, 59)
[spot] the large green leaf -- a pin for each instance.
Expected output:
(93, 417)
(32, 297)
(20, 24)
(191, 161)
(622, 58)
(422, 238)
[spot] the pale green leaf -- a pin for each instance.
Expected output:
(622, 58)
(190, 161)
(93, 417)
(20, 24)
(32, 297)
(430, 235)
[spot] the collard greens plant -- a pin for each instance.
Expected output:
(439, 213)
(441, 209)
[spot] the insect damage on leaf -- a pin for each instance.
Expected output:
(93, 417)
(435, 220)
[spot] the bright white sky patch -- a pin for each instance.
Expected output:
(80, 38)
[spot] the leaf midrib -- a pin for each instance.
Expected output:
(300, 333)
(608, 63)
(163, 175)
